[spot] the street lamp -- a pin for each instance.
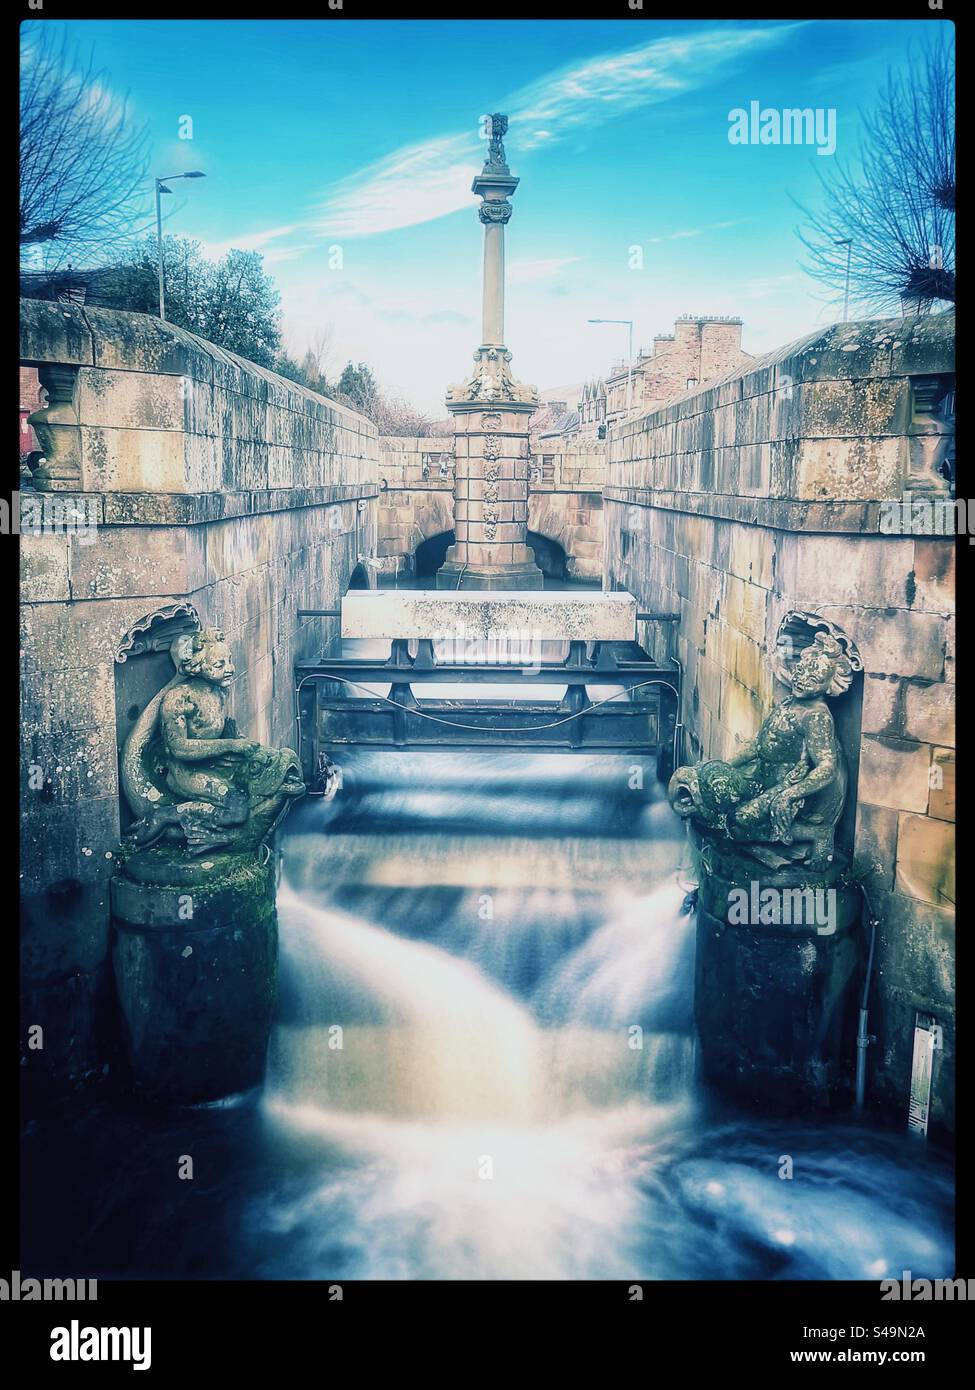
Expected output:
(629, 358)
(161, 188)
(848, 243)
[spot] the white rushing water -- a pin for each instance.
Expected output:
(474, 1094)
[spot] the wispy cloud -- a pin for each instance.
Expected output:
(430, 179)
(257, 241)
(525, 272)
(601, 88)
(686, 232)
(763, 286)
(414, 184)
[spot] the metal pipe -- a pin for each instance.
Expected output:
(864, 1036)
(159, 252)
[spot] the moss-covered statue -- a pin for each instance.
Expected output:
(189, 774)
(779, 798)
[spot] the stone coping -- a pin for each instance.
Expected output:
(197, 508)
(777, 513)
(444, 613)
(116, 339)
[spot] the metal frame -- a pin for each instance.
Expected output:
(331, 717)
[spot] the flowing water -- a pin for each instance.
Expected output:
(483, 1068)
(485, 1053)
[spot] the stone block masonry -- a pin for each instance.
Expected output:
(765, 494)
(220, 491)
(565, 499)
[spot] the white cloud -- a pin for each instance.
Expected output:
(414, 184)
(763, 286)
(423, 181)
(695, 231)
(523, 272)
(592, 92)
(255, 241)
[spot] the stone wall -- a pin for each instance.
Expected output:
(417, 500)
(774, 490)
(565, 503)
(216, 488)
(564, 499)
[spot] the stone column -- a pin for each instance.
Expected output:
(491, 413)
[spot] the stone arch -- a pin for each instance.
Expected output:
(360, 578)
(430, 554)
(550, 555)
(553, 516)
(434, 517)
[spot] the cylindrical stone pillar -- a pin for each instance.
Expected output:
(492, 324)
(778, 964)
(195, 968)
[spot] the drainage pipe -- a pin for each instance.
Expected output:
(864, 1037)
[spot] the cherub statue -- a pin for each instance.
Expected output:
(786, 786)
(497, 129)
(189, 774)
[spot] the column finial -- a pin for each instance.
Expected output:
(497, 129)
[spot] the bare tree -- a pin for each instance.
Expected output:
(894, 211)
(393, 415)
(321, 348)
(83, 161)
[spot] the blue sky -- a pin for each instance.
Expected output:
(364, 135)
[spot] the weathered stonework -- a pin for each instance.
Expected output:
(765, 493)
(564, 504)
(214, 482)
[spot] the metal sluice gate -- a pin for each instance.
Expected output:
(338, 707)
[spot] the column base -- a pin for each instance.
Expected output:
(195, 964)
(452, 575)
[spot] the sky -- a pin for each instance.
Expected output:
(344, 153)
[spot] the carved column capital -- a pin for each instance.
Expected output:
(494, 213)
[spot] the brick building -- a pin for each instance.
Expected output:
(701, 348)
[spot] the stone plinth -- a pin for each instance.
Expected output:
(196, 969)
(778, 967)
(491, 501)
(552, 617)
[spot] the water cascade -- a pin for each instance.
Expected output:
(486, 1070)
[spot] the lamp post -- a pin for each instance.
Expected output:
(629, 358)
(848, 243)
(160, 189)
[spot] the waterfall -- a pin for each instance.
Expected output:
(483, 1061)
(423, 1033)
(477, 1135)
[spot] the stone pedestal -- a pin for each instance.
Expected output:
(777, 978)
(195, 963)
(490, 501)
